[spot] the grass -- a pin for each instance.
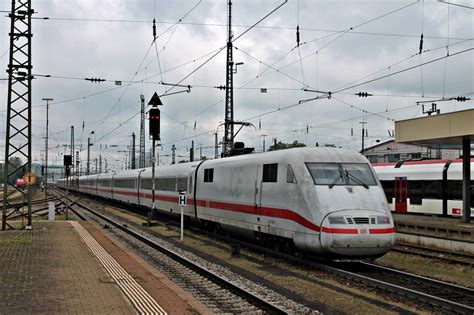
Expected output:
(431, 268)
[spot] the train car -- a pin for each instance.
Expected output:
(320, 200)
(427, 186)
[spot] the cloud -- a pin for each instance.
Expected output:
(331, 58)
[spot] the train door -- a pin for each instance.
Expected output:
(401, 191)
(258, 191)
(139, 186)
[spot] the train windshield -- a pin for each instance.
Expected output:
(331, 174)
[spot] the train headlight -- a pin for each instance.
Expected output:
(383, 220)
(337, 220)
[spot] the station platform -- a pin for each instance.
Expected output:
(70, 267)
(449, 228)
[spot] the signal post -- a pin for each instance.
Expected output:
(154, 130)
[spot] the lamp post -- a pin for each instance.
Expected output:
(46, 150)
(89, 144)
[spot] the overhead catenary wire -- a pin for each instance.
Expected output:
(313, 126)
(224, 47)
(456, 4)
(185, 23)
(350, 87)
(350, 29)
(203, 86)
(399, 62)
(363, 83)
(339, 89)
(144, 58)
(404, 70)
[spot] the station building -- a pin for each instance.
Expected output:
(391, 151)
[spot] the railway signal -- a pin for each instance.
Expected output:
(154, 117)
(154, 126)
(67, 165)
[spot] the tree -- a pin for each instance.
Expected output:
(282, 146)
(14, 163)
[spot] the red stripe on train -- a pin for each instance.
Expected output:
(382, 231)
(264, 211)
(339, 231)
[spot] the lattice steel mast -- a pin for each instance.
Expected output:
(229, 89)
(141, 162)
(18, 124)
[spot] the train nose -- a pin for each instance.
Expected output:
(357, 233)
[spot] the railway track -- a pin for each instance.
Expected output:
(14, 213)
(217, 292)
(450, 297)
(436, 294)
(435, 253)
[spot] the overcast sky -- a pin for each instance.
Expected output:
(342, 43)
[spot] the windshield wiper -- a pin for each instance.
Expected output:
(336, 179)
(356, 179)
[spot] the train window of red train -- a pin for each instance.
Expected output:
(270, 173)
(388, 188)
(416, 191)
(433, 189)
(454, 189)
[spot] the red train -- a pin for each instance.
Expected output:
(427, 186)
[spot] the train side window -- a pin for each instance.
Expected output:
(208, 175)
(454, 190)
(190, 183)
(416, 191)
(270, 173)
(388, 189)
(167, 184)
(290, 175)
(433, 189)
(182, 183)
(125, 183)
(145, 183)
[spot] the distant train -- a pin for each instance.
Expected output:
(426, 186)
(321, 200)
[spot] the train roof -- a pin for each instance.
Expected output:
(417, 162)
(422, 169)
(302, 154)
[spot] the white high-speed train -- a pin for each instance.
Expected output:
(426, 186)
(321, 200)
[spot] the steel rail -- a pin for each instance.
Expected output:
(455, 292)
(242, 292)
(73, 202)
(434, 253)
(404, 291)
(397, 289)
(22, 204)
